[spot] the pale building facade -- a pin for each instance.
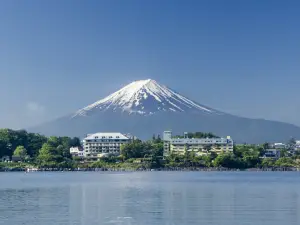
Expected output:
(102, 144)
(77, 151)
(200, 146)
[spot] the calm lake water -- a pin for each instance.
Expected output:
(164, 198)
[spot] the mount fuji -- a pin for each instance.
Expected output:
(144, 97)
(145, 107)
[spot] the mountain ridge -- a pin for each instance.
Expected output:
(145, 107)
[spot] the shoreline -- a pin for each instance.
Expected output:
(27, 170)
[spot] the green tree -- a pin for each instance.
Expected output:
(65, 143)
(35, 143)
(54, 141)
(190, 159)
(207, 160)
(75, 142)
(9, 140)
(249, 154)
(60, 150)
(157, 150)
(5, 149)
(285, 162)
(136, 149)
(267, 162)
(21, 152)
(49, 156)
(227, 160)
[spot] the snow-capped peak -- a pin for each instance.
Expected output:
(144, 97)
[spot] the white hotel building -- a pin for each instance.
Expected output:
(200, 146)
(77, 151)
(101, 144)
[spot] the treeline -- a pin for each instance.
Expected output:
(53, 152)
(32, 145)
(150, 155)
(199, 135)
(243, 157)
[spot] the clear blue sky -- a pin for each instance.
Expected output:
(56, 56)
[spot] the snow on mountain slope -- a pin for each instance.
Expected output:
(144, 97)
(126, 111)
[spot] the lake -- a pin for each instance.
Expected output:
(150, 198)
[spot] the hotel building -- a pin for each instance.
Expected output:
(198, 145)
(101, 144)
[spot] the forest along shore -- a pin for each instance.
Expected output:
(23, 151)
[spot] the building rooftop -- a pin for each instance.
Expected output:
(279, 144)
(106, 136)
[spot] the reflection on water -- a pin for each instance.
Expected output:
(149, 198)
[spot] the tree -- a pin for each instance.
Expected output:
(21, 152)
(227, 160)
(53, 141)
(11, 139)
(60, 150)
(207, 160)
(190, 159)
(249, 154)
(75, 142)
(267, 162)
(136, 149)
(35, 143)
(8, 141)
(285, 162)
(65, 143)
(49, 156)
(157, 150)
(4, 149)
